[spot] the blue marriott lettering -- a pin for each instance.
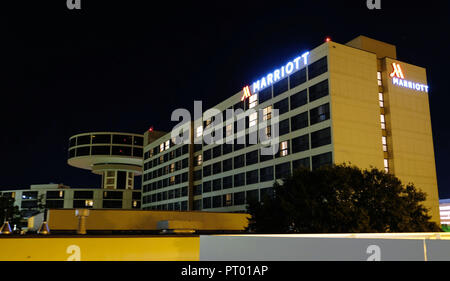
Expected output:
(280, 73)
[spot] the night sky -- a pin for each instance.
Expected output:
(126, 67)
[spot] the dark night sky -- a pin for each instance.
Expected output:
(126, 67)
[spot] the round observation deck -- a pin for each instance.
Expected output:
(116, 156)
(100, 151)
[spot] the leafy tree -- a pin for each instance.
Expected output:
(9, 211)
(341, 199)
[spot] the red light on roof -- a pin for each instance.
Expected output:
(328, 39)
(151, 129)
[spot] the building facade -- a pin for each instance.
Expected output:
(337, 103)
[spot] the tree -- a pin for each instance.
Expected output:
(341, 199)
(8, 211)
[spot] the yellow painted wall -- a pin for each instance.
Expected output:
(100, 249)
(355, 111)
(65, 219)
(410, 142)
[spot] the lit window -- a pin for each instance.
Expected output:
(383, 141)
(172, 167)
(269, 131)
(61, 193)
(199, 131)
(161, 147)
(89, 203)
(228, 199)
(253, 101)
(267, 113)
(135, 203)
(253, 119)
(199, 159)
(167, 144)
(379, 78)
(207, 122)
(284, 149)
(172, 180)
(383, 122)
(229, 130)
(381, 100)
(386, 165)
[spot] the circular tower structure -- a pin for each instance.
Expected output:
(117, 157)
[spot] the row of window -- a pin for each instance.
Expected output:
(170, 168)
(173, 206)
(88, 203)
(106, 150)
(106, 139)
(232, 199)
(181, 178)
(82, 194)
(169, 155)
(166, 195)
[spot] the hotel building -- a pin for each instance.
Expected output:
(353, 102)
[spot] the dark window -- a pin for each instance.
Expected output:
(54, 204)
(122, 139)
(112, 204)
(319, 90)
(280, 87)
(304, 162)
(239, 161)
(177, 152)
(251, 157)
(266, 174)
(265, 94)
(252, 195)
(217, 201)
(297, 78)
(217, 168)
(82, 151)
(177, 192)
(121, 180)
(197, 175)
(239, 198)
(86, 139)
(185, 149)
(227, 182)
(319, 114)
(227, 164)
(252, 177)
(197, 147)
(112, 194)
(266, 192)
(283, 127)
(138, 140)
(55, 194)
(101, 139)
(217, 184)
(121, 150)
(29, 204)
(239, 179)
(299, 121)
(217, 151)
(321, 159)
(184, 191)
(282, 106)
(184, 177)
(299, 99)
(137, 151)
(71, 153)
(207, 203)
(318, 67)
(136, 196)
(321, 137)
(207, 155)
(300, 143)
(83, 194)
(227, 148)
(207, 170)
(240, 105)
(197, 205)
(198, 189)
(282, 170)
(206, 186)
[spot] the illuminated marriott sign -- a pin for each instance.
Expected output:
(398, 79)
(280, 73)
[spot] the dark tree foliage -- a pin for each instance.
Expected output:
(341, 199)
(8, 211)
